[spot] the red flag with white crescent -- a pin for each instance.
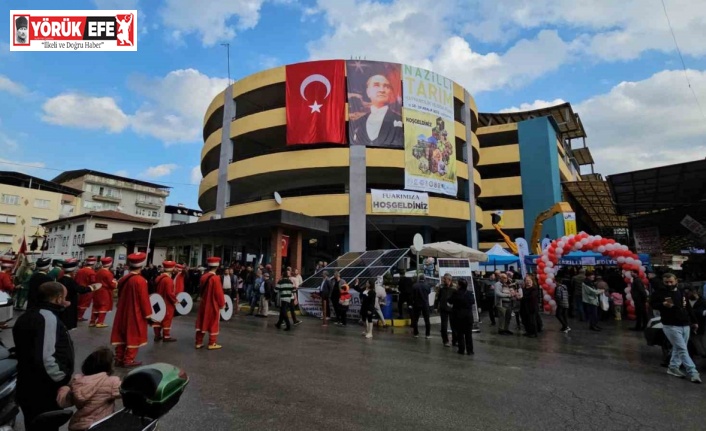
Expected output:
(316, 102)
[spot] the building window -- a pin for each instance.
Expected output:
(101, 226)
(10, 199)
(38, 221)
(100, 206)
(79, 228)
(8, 219)
(143, 212)
(42, 203)
(5, 239)
(143, 198)
(83, 238)
(74, 240)
(106, 191)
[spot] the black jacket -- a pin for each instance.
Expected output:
(638, 291)
(462, 304)
(698, 310)
(420, 294)
(405, 287)
(70, 314)
(36, 280)
(45, 352)
(367, 302)
(678, 314)
(335, 290)
(444, 298)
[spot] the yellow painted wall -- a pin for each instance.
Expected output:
(564, 171)
(502, 154)
(337, 205)
(213, 140)
(26, 210)
(508, 186)
(208, 182)
(496, 128)
(512, 219)
(290, 160)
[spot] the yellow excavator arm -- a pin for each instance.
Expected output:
(558, 208)
(496, 224)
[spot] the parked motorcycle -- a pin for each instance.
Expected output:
(148, 393)
(8, 383)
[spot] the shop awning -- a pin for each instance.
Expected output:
(596, 200)
(231, 226)
(658, 189)
(583, 156)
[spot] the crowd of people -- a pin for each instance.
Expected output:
(58, 298)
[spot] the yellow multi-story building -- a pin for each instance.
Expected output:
(26, 202)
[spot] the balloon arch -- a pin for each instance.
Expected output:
(547, 263)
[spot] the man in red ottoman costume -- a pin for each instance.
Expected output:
(133, 315)
(212, 300)
(165, 289)
(103, 297)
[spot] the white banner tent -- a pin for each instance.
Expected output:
(451, 250)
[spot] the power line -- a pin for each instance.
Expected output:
(683, 64)
(63, 170)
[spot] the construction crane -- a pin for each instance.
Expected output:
(495, 221)
(557, 208)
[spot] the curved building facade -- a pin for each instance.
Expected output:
(246, 158)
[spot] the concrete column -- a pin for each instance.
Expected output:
(276, 252)
(357, 185)
(295, 248)
(471, 227)
(223, 190)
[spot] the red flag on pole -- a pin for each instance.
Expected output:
(316, 102)
(23, 247)
(285, 245)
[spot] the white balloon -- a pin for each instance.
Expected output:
(559, 251)
(572, 236)
(552, 303)
(591, 238)
(545, 258)
(547, 297)
(610, 247)
(628, 297)
(601, 249)
(550, 264)
(598, 237)
(560, 244)
(584, 241)
(621, 259)
(547, 270)
(624, 247)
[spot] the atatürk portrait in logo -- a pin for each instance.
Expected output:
(21, 30)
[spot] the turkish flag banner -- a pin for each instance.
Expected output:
(316, 102)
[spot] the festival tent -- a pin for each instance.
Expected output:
(499, 256)
(586, 258)
(451, 250)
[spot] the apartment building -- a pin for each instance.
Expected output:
(26, 202)
(90, 234)
(108, 192)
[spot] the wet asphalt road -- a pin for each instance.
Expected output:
(331, 378)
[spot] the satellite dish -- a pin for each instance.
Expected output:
(418, 242)
(278, 198)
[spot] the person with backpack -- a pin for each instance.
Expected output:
(561, 297)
